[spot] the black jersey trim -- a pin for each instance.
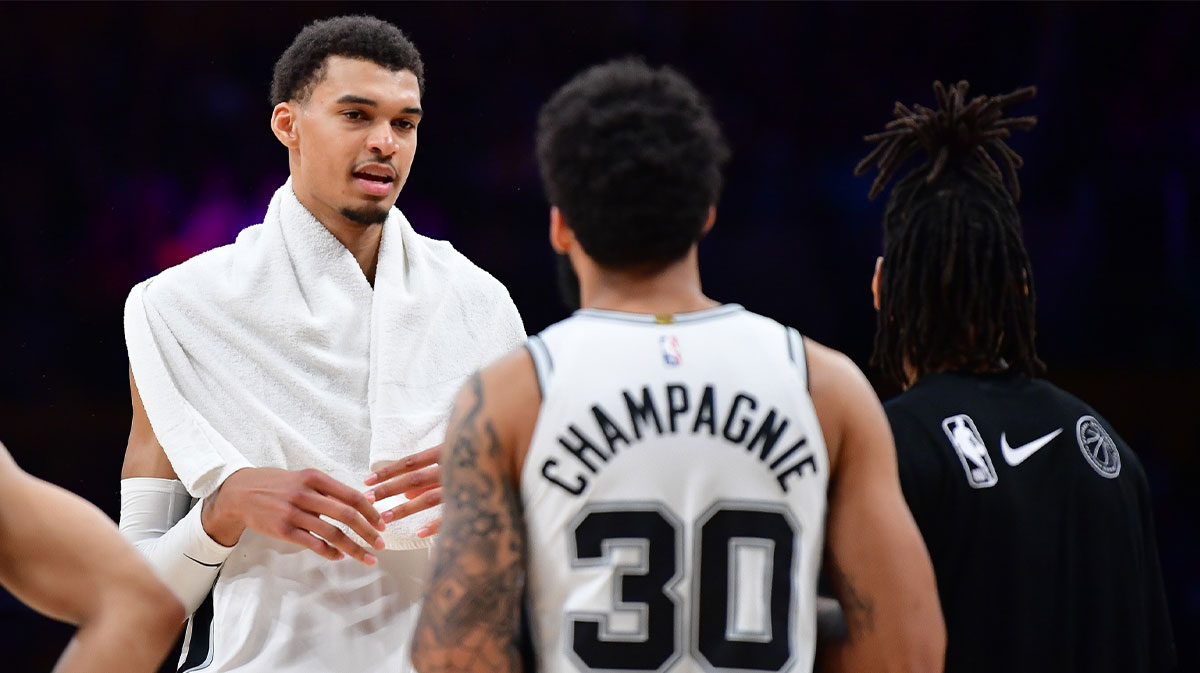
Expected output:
(543, 363)
(200, 645)
(652, 319)
(798, 354)
(804, 357)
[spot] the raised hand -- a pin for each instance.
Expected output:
(288, 505)
(418, 478)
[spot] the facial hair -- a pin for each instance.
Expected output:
(568, 282)
(366, 215)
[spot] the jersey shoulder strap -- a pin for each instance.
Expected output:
(797, 354)
(542, 362)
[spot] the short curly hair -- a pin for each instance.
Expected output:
(631, 155)
(302, 65)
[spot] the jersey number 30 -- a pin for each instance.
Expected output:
(719, 634)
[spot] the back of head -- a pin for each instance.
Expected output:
(299, 69)
(632, 157)
(956, 289)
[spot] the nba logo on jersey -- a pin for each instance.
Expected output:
(670, 350)
(972, 452)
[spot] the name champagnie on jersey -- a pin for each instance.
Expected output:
(677, 409)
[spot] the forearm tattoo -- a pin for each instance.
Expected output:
(471, 615)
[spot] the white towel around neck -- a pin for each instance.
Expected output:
(274, 351)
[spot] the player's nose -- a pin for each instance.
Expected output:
(382, 140)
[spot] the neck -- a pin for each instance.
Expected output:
(673, 289)
(362, 240)
(910, 372)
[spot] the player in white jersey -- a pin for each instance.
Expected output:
(257, 384)
(659, 476)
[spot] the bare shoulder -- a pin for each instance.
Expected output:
(7, 464)
(507, 393)
(18, 488)
(839, 390)
(830, 371)
(10, 474)
(512, 373)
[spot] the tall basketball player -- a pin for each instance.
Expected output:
(1036, 513)
(660, 474)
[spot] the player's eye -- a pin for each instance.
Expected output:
(404, 124)
(354, 115)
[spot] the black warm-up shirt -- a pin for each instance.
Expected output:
(1037, 518)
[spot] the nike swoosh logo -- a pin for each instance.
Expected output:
(1014, 456)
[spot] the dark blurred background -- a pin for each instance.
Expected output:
(135, 136)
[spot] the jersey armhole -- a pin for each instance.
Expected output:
(798, 355)
(543, 364)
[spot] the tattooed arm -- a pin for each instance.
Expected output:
(876, 560)
(471, 616)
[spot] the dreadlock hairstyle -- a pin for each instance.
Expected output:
(956, 288)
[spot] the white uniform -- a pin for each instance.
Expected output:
(674, 494)
(277, 607)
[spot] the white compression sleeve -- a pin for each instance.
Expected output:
(156, 520)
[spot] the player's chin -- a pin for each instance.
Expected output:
(368, 212)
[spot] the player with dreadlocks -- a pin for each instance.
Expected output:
(1035, 512)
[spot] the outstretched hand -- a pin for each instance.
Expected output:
(289, 505)
(416, 477)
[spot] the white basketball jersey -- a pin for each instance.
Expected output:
(674, 494)
(277, 607)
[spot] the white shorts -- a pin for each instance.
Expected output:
(280, 608)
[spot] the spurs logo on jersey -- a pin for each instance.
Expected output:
(1097, 447)
(674, 503)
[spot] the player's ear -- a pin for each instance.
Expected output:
(283, 124)
(561, 236)
(875, 281)
(708, 223)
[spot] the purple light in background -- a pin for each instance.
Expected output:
(217, 215)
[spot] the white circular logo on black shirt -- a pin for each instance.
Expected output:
(1097, 447)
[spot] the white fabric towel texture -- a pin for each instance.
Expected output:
(274, 351)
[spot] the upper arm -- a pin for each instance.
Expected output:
(878, 563)
(65, 558)
(471, 615)
(144, 456)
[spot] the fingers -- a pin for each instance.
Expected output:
(431, 498)
(423, 479)
(430, 529)
(407, 464)
(418, 491)
(333, 537)
(317, 504)
(305, 539)
(333, 488)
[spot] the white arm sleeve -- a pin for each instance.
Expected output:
(155, 518)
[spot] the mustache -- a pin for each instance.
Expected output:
(376, 162)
